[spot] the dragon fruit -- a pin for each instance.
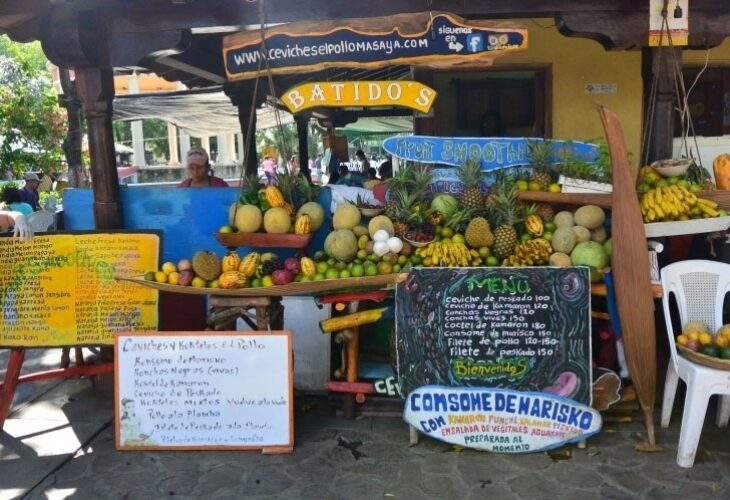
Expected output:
(292, 265)
(282, 277)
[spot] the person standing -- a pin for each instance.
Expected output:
(199, 172)
(29, 192)
(269, 167)
(364, 162)
(293, 165)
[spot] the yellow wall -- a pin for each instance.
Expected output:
(146, 82)
(576, 62)
(719, 55)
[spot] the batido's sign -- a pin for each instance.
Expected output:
(438, 40)
(402, 93)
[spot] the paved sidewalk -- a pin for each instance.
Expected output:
(58, 443)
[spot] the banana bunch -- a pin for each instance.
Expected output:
(449, 254)
(675, 203)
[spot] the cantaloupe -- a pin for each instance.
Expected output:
(315, 212)
(590, 216)
(346, 216)
(381, 222)
(245, 218)
(560, 259)
(563, 239)
(341, 244)
(582, 233)
(563, 218)
(277, 221)
(598, 235)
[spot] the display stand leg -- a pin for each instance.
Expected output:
(7, 391)
(351, 375)
(582, 445)
(413, 437)
(276, 314)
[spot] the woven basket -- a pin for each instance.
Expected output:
(704, 360)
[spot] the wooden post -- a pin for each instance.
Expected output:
(352, 351)
(241, 95)
(663, 60)
(302, 122)
(96, 90)
(7, 391)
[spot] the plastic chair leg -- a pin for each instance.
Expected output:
(723, 411)
(670, 390)
(693, 418)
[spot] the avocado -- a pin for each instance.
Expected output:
(710, 350)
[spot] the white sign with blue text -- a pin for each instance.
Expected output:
(499, 420)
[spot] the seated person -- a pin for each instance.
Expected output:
(14, 201)
(17, 221)
(350, 177)
(199, 172)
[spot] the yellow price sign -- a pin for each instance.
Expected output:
(59, 290)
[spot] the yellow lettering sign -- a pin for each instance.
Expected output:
(403, 93)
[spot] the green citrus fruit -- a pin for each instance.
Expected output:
(492, 261)
(332, 274)
(357, 270)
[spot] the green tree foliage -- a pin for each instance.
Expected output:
(32, 125)
(155, 137)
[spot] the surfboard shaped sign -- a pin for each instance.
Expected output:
(499, 420)
(493, 153)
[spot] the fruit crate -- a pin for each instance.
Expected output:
(264, 240)
(692, 226)
(573, 185)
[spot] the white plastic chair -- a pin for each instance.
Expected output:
(699, 288)
(40, 221)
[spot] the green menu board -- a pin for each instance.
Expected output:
(526, 329)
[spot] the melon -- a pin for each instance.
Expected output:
(381, 222)
(582, 233)
(563, 218)
(277, 221)
(315, 212)
(346, 216)
(590, 216)
(245, 218)
(560, 259)
(341, 244)
(591, 254)
(563, 239)
(599, 235)
(360, 230)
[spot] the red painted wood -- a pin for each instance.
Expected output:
(74, 371)
(350, 387)
(7, 390)
(374, 295)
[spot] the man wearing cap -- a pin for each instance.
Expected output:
(199, 174)
(29, 192)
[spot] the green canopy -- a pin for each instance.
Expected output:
(365, 127)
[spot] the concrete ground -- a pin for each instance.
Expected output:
(58, 443)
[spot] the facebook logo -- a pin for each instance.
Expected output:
(475, 42)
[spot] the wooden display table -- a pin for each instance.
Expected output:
(223, 311)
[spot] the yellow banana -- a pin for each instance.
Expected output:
(706, 202)
(708, 210)
(651, 215)
(650, 198)
(659, 211)
(658, 195)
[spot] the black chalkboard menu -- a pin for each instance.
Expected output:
(526, 329)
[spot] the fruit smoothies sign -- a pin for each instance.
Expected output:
(494, 153)
(499, 420)
(204, 390)
(403, 93)
(59, 289)
(438, 40)
(519, 328)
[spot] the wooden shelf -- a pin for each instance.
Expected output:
(264, 240)
(601, 199)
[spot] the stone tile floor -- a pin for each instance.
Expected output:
(58, 443)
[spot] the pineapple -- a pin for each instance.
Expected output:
(471, 175)
(478, 233)
(539, 154)
(400, 182)
(504, 217)
(546, 212)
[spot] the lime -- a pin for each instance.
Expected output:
(415, 259)
(725, 353)
(345, 274)
(322, 267)
(484, 252)
(339, 265)
(332, 274)
(643, 188)
(357, 270)
(320, 255)
(458, 238)
(521, 185)
(547, 236)
(673, 180)
(683, 183)
(721, 212)
(651, 177)
(492, 261)
(371, 269)
(319, 277)
(555, 188)
(225, 229)
(661, 183)
(710, 350)
(402, 260)
(362, 254)
(526, 237)
(266, 281)
(255, 283)
(385, 268)
(695, 188)
(550, 227)
(534, 186)
(396, 268)
(446, 232)
(305, 278)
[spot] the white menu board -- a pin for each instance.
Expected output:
(204, 390)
